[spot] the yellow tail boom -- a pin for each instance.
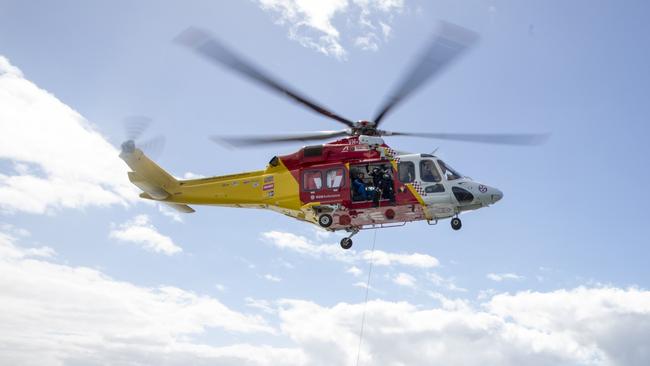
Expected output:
(273, 187)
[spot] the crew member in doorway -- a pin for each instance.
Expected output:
(386, 186)
(386, 190)
(376, 174)
(362, 192)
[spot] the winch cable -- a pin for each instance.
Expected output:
(365, 303)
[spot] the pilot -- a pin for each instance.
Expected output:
(427, 172)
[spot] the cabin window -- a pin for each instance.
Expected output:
(334, 178)
(312, 180)
(406, 171)
(428, 171)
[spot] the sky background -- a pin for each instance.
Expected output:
(555, 273)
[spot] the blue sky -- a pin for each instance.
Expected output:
(553, 273)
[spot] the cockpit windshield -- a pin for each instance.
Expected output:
(448, 171)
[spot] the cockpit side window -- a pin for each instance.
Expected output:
(406, 171)
(428, 171)
(448, 171)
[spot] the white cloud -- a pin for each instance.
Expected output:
(272, 278)
(60, 160)
(169, 212)
(53, 314)
(302, 245)
(364, 285)
(58, 314)
(310, 22)
(498, 277)
(598, 326)
(44, 252)
(385, 29)
(372, 31)
(485, 294)
(449, 303)
(381, 258)
(13, 230)
(9, 251)
(141, 232)
(355, 271)
(263, 305)
(321, 234)
(190, 175)
(404, 279)
(366, 43)
(446, 283)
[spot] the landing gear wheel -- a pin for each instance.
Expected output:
(325, 220)
(346, 243)
(456, 224)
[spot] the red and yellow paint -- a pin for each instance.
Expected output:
(277, 187)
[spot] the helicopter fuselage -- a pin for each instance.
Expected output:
(333, 185)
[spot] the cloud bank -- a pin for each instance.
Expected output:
(59, 159)
(581, 326)
(53, 313)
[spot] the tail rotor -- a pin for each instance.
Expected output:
(134, 128)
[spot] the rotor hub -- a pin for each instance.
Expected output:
(364, 127)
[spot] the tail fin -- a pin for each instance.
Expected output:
(153, 180)
(246, 189)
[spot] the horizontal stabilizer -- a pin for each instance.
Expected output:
(154, 191)
(180, 207)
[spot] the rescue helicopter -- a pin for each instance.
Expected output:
(353, 182)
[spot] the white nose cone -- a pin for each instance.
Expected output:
(488, 195)
(495, 195)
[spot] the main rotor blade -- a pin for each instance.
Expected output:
(488, 138)
(241, 141)
(449, 42)
(209, 47)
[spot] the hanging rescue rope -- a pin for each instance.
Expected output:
(365, 303)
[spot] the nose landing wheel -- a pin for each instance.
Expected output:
(456, 224)
(346, 243)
